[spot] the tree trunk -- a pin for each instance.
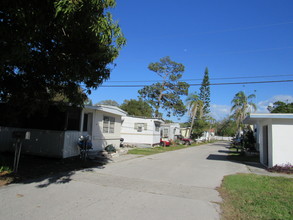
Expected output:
(192, 121)
(159, 101)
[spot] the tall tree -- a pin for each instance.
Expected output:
(281, 107)
(108, 102)
(51, 47)
(166, 94)
(195, 108)
(137, 108)
(205, 93)
(226, 127)
(241, 106)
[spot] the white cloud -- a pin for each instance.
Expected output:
(262, 105)
(219, 112)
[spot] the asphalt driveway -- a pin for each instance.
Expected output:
(173, 185)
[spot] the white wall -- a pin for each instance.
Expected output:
(173, 130)
(70, 148)
(100, 139)
(282, 142)
(132, 136)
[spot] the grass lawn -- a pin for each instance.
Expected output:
(250, 196)
(156, 150)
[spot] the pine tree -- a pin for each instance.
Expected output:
(205, 93)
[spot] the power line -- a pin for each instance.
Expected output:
(220, 78)
(212, 84)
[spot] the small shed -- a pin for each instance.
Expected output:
(274, 137)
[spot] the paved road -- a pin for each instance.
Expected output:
(174, 185)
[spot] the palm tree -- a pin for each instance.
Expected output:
(195, 108)
(242, 105)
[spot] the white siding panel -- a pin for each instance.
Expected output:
(70, 148)
(283, 144)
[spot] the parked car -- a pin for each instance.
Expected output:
(165, 142)
(183, 140)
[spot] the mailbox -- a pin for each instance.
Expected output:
(24, 135)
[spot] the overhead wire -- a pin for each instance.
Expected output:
(219, 78)
(199, 84)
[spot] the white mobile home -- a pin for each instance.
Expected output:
(140, 131)
(103, 124)
(274, 137)
(56, 135)
(170, 131)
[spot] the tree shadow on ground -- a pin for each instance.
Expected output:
(47, 171)
(237, 157)
(221, 143)
(217, 157)
(224, 151)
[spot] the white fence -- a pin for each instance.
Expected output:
(221, 138)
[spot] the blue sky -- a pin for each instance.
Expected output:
(248, 40)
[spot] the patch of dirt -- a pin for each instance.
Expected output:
(34, 167)
(228, 211)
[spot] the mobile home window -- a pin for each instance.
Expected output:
(139, 127)
(157, 126)
(108, 124)
(165, 132)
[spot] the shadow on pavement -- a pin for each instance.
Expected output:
(47, 171)
(217, 157)
(250, 160)
(224, 151)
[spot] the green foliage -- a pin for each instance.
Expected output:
(241, 106)
(226, 127)
(205, 93)
(156, 150)
(137, 108)
(5, 168)
(51, 47)
(281, 107)
(199, 127)
(5, 163)
(249, 140)
(108, 102)
(199, 107)
(166, 95)
(250, 196)
(88, 102)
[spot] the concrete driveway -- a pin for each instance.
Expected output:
(174, 185)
